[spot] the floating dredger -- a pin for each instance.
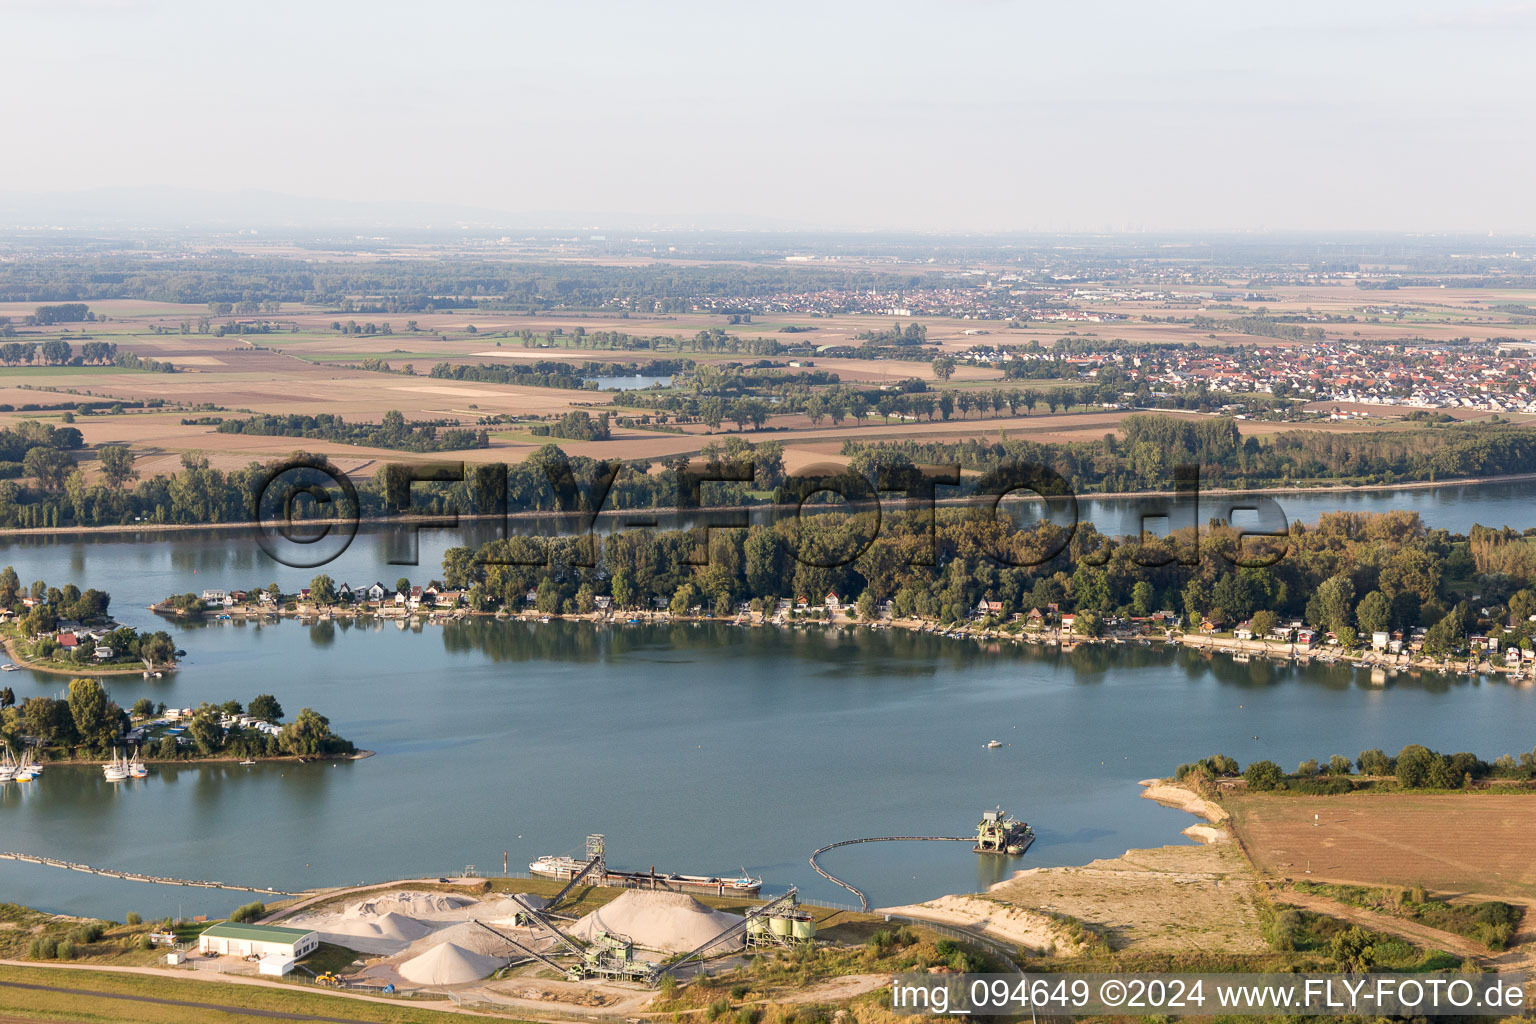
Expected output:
(997, 832)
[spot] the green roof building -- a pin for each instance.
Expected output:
(228, 939)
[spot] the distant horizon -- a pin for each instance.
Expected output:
(214, 208)
(949, 116)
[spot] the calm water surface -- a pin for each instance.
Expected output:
(693, 747)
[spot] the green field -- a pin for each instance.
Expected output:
(43, 994)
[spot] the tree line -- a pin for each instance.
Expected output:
(1347, 573)
(87, 723)
(1153, 444)
(394, 432)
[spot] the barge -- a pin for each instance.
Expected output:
(998, 832)
(566, 868)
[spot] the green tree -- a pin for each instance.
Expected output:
(1374, 613)
(684, 598)
(1353, 950)
(116, 462)
(308, 735)
(1445, 636)
(89, 709)
(265, 707)
(1375, 762)
(1263, 622)
(623, 589)
(1522, 604)
(48, 466)
(1330, 606)
(1142, 596)
(1338, 764)
(944, 368)
(205, 731)
(1414, 763)
(1262, 776)
(322, 590)
(157, 649)
(10, 587)
(547, 598)
(143, 708)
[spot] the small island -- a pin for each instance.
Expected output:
(68, 631)
(87, 726)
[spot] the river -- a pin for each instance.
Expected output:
(701, 748)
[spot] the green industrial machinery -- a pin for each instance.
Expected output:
(1000, 833)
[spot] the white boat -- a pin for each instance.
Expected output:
(27, 770)
(247, 762)
(136, 768)
(994, 744)
(9, 667)
(115, 770)
(7, 767)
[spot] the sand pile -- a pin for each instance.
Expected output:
(470, 936)
(412, 904)
(449, 964)
(388, 923)
(672, 922)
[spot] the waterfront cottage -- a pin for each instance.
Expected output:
(1244, 630)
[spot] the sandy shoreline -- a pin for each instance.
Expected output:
(991, 915)
(384, 523)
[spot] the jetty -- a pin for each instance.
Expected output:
(134, 876)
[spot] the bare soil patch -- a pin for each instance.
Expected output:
(1452, 843)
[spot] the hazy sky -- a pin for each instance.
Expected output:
(963, 115)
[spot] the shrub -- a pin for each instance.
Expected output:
(88, 933)
(749, 1015)
(719, 1008)
(145, 942)
(67, 950)
(249, 912)
(740, 989)
(133, 919)
(1262, 775)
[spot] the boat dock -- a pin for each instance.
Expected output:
(133, 876)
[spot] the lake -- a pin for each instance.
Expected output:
(698, 748)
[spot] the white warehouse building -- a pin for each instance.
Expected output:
(279, 947)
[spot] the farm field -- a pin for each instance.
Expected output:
(304, 367)
(1451, 843)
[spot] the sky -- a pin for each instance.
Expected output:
(909, 115)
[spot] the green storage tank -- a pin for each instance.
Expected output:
(780, 926)
(803, 929)
(758, 927)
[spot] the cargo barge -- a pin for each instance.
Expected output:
(566, 868)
